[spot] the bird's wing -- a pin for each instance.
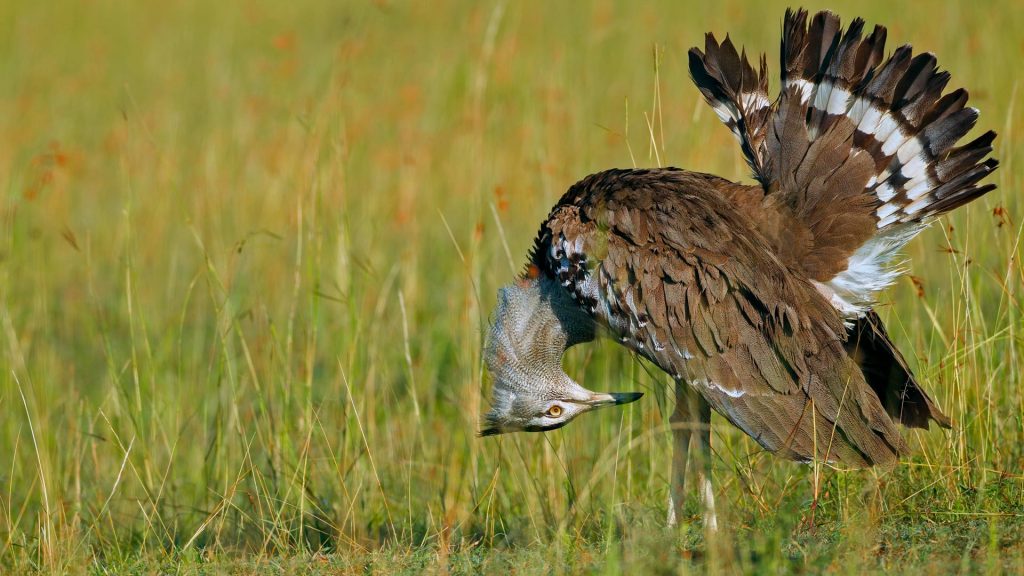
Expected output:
(738, 94)
(888, 375)
(857, 155)
(661, 260)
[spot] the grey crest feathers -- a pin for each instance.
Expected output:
(535, 322)
(533, 326)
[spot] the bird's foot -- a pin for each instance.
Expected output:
(710, 518)
(711, 521)
(675, 513)
(808, 523)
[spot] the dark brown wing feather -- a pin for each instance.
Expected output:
(737, 94)
(888, 375)
(661, 258)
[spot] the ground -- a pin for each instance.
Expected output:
(247, 257)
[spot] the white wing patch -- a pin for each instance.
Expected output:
(869, 270)
(710, 385)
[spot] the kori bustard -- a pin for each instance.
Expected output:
(757, 299)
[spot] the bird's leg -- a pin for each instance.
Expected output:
(682, 428)
(692, 413)
(703, 461)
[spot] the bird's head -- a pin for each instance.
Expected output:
(535, 322)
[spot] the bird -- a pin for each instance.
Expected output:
(757, 299)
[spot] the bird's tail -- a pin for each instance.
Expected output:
(837, 86)
(859, 152)
(737, 94)
(865, 150)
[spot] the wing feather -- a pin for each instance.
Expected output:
(711, 304)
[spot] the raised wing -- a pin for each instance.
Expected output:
(662, 260)
(738, 95)
(856, 156)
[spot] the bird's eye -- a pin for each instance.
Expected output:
(555, 411)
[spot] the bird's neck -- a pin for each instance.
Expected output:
(536, 320)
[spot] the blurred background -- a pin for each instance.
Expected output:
(248, 251)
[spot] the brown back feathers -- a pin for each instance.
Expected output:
(665, 263)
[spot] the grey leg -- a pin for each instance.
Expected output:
(682, 428)
(703, 458)
(692, 414)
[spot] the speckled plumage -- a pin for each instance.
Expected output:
(758, 299)
(713, 305)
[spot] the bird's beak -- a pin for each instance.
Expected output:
(605, 399)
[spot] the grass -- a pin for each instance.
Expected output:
(248, 252)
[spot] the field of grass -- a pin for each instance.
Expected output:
(248, 251)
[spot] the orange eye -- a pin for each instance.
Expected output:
(555, 411)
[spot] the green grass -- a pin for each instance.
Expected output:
(247, 257)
